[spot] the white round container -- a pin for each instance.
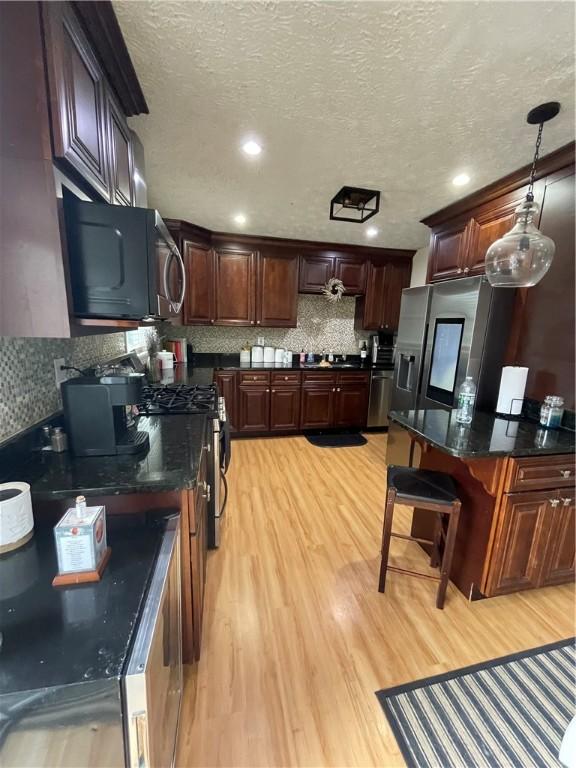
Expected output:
(16, 519)
(279, 355)
(257, 353)
(166, 359)
(268, 354)
(244, 357)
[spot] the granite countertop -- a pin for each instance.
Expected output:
(204, 361)
(48, 634)
(171, 463)
(487, 435)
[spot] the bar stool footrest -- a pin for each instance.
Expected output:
(419, 575)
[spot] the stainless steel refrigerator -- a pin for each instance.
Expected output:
(447, 331)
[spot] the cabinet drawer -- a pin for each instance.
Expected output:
(254, 377)
(318, 377)
(533, 473)
(284, 379)
(353, 377)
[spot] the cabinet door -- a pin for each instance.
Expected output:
(235, 287)
(315, 271)
(351, 405)
(352, 272)
(372, 307)
(520, 543)
(446, 252)
(277, 290)
(76, 85)
(284, 409)
(253, 408)
(484, 229)
(226, 383)
(397, 277)
(317, 407)
(559, 560)
(199, 301)
(121, 155)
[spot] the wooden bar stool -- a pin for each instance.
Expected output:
(433, 491)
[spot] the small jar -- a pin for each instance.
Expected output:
(552, 411)
(59, 440)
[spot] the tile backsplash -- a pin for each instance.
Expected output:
(28, 391)
(321, 326)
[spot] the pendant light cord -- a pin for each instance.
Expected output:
(530, 193)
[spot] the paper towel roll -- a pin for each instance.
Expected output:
(16, 520)
(512, 387)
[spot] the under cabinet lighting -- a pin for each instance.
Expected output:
(371, 232)
(240, 219)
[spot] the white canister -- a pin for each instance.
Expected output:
(279, 355)
(244, 357)
(257, 353)
(268, 354)
(16, 519)
(166, 359)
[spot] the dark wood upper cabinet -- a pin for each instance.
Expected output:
(277, 295)
(446, 252)
(352, 272)
(315, 271)
(235, 286)
(199, 301)
(77, 96)
(121, 155)
(379, 309)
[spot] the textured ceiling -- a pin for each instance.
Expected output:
(396, 96)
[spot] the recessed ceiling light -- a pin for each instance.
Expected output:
(461, 180)
(371, 232)
(240, 218)
(251, 147)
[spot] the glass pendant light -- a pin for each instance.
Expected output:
(522, 256)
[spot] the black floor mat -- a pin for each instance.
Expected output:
(346, 440)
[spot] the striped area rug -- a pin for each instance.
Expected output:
(510, 712)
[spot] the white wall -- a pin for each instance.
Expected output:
(419, 267)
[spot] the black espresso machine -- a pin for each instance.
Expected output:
(95, 409)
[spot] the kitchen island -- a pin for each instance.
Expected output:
(516, 483)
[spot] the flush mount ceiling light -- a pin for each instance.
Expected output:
(251, 147)
(461, 180)
(371, 232)
(354, 204)
(240, 219)
(521, 258)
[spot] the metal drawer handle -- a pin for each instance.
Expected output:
(565, 472)
(273, 391)
(285, 378)
(267, 390)
(566, 501)
(206, 493)
(338, 389)
(554, 502)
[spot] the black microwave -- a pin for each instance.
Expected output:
(123, 262)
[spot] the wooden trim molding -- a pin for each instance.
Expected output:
(101, 26)
(560, 158)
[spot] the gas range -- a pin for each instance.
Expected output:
(165, 399)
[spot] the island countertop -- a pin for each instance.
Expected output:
(488, 436)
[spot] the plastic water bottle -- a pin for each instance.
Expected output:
(466, 400)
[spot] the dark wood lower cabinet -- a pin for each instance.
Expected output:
(351, 404)
(559, 566)
(253, 408)
(317, 406)
(285, 409)
(536, 544)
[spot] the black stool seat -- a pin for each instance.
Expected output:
(422, 485)
(434, 492)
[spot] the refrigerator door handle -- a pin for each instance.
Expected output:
(140, 725)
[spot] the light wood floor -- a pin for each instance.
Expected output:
(297, 638)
